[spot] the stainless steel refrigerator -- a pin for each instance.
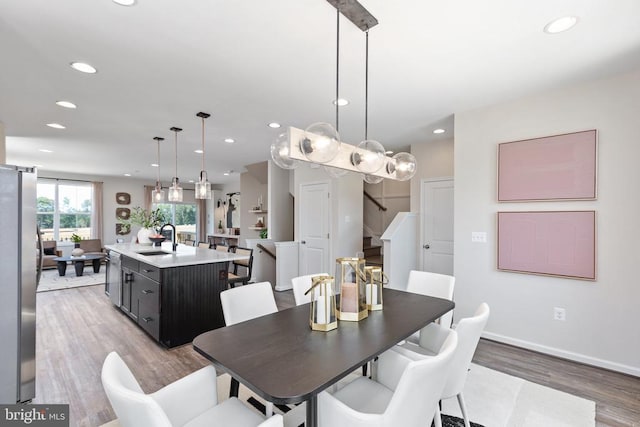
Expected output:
(17, 284)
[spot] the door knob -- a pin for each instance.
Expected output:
(426, 246)
(303, 242)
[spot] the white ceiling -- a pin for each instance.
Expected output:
(250, 62)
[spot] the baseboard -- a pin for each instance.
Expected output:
(564, 354)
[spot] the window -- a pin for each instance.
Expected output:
(64, 208)
(183, 216)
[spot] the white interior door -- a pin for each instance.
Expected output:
(437, 226)
(314, 228)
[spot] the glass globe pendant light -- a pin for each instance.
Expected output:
(280, 153)
(157, 195)
(203, 186)
(175, 191)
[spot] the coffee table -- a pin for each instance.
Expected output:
(78, 263)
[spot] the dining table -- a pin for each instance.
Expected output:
(279, 358)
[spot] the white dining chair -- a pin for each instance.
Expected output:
(300, 285)
(245, 303)
(431, 343)
(190, 401)
(405, 392)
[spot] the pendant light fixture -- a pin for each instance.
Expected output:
(157, 195)
(320, 143)
(203, 187)
(175, 191)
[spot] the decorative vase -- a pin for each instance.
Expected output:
(77, 252)
(143, 236)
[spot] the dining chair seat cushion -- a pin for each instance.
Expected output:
(408, 347)
(228, 413)
(365, 395)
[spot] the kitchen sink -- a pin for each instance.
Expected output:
(154, 253)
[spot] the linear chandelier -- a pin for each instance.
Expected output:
(320, 143)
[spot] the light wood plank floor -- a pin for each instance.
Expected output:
(78, 327)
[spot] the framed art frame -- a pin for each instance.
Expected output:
(123, 198)
(553, 243)
(559, 167)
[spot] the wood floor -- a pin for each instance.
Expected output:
(78, 327)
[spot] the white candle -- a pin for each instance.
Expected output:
(372, 294)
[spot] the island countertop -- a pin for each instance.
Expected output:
(185, 255)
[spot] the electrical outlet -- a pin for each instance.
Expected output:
(479, 237)
(559, 313)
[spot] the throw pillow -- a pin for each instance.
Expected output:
(49, 251)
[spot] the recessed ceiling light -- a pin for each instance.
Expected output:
(226, 173)
(125, 2)
(44, 150)
(561, 24)
(56, 126)
(341, 102)
(229, 140)
(83, 67)
(155, 165)
(38, 166)
(274, 125)
(198, 151)
(191, 181)
(127, 174)
(66, 104)
(437, 131)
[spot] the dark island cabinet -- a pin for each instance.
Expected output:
(173, 305)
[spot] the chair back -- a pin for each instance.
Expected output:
(469, 330)
(243, 264)
(222, 248)
(190, 242)
(433, 285)
(300, 285)
(420, 385)
(132, 407)
(247, 302)
(204, 245)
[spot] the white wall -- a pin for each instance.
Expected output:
(393, 195)
(435, 160)
(3, 145)
(280, 204)
(602, 324)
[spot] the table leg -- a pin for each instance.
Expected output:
(312, 412)
(96, 265)
(79, 265)
(62, 268)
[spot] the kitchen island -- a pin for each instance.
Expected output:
(173, 296)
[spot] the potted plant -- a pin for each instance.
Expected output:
(76, 240)
(149, 221)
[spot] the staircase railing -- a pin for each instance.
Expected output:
(265, 250)
(375, 202)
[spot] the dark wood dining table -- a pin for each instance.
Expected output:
(282, 360)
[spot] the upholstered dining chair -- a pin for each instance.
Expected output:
(222, 248)
(188, 242)
(241, 268)
(433, 285)
(404, 393)
(245, 303)
(204, 245)
(431, 343)
(190, 401)
(300, 285)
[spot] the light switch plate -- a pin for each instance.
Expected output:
(479, 236)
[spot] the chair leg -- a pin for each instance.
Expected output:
(233, 387)
(437, 418)
(463, 409)
(268, 409)
(364, 369)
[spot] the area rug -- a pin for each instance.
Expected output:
(51, 281)
(493, 399)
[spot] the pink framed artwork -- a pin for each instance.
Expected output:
(560, 167)
(556, 243)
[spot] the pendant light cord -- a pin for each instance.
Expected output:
(203, 143)
(366, 88)
(175, 144)
(158, 175)
(337, 68)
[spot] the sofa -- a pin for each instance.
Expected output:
(50, 252)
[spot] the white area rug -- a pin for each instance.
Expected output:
(51, 281)
(493, 399)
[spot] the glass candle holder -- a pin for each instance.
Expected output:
(373, 290)
(322, 316)
(352, 305)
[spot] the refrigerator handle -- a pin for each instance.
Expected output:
(40, 257)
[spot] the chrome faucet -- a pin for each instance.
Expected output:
(173, 239)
